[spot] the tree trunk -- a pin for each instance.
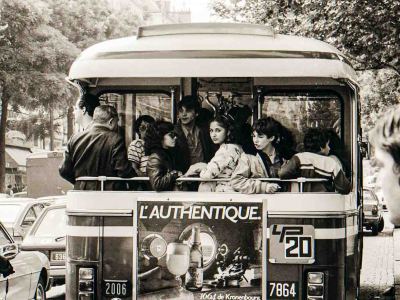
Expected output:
(70, 122)
(3, 122)
(51, 128)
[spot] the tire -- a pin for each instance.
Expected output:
(381, 224)
(375, 229)
(40, 293)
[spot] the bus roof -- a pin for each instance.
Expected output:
(211, 50)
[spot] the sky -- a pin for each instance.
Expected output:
(199, 9)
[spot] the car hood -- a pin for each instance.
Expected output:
(39, 243)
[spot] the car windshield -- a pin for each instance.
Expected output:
(53, 224)
(9, 212)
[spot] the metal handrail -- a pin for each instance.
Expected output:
(102, 179)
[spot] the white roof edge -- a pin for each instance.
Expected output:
(204, 28)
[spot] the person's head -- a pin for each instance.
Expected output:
(266, 133)
(222, 130)
(84, 107)
(9, 186)
(385, 137)
(106, 115)
(316, 140)
(142, 123)
(159, 135)
(188, 109)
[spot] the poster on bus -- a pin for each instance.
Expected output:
(193, 250)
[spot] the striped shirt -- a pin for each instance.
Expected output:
(136, 155)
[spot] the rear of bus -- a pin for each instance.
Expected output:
(309, 244)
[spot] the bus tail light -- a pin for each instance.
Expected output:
(86, 283)
(315, 285)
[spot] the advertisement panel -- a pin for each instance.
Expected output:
(199, 250)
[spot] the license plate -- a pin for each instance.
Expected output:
(291, 244)
(117, 288)
(282, 290)
(57, 256)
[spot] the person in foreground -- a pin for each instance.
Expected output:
(159, 143)
(266, 139)
(385, 137)
(97, 151)
(315, 163)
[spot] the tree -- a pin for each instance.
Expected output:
(32, 55)
(366, 31)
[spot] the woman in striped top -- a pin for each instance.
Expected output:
(136, 148)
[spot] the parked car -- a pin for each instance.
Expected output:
(18, 214)
(47, 235)
(373, 219)
(30, 279)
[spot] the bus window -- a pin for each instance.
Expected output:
(298, 112)
(132, 105)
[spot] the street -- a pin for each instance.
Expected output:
(376, 273)
(377, 269)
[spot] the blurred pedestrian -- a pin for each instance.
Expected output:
(9, 190)
(385, 137)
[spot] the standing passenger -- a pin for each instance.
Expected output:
(159, 142)
(136, 148)
(193, 143)
(97, 151)
(84, 109)
(315, 163)
(224, 162)
(266, 139)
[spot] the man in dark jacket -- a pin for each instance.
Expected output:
(97, 151)
(193, 142)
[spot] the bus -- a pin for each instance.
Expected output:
(288, 245)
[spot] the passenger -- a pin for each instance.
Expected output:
(266, 139)
(336, 149)
(385, 137)
(136, 148)
(97, 151)
(159, 141)
(84, 109)
(315, 163)
(222, 165)
(193, 143)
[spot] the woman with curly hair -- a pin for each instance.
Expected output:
(224, 162)
(136, 147)
(267, 138)
(385, 137)
(159, 142)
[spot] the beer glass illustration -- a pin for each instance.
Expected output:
(178, 255)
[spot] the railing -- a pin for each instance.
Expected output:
(300, 180)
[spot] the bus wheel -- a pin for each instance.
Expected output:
(40, 290)
(375, 229)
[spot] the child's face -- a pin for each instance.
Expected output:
(217, 133)
(261, 141)
(390, 183)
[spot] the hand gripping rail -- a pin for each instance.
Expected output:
(102, 179)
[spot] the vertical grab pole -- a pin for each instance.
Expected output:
(173, 106)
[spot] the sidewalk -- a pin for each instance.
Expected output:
(396, 248)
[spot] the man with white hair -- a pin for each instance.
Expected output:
(97, 151)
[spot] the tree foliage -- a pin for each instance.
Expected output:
(366, 31)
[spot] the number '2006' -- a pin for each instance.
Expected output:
(118, 289)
